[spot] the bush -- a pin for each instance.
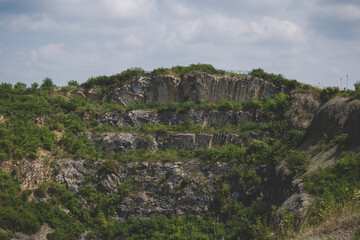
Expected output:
(182, 70)
(338, 181)
(297, 161)
(119, 79)
(328, 93)
(259, 152)
(341, 140)
(277, 79)
(47, 85)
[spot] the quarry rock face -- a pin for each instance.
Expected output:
(337, 116)
(206, 118)
(175, 187)
(303, 108)
(123, 141)
(198, 87)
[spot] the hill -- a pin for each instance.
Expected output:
(182, 153)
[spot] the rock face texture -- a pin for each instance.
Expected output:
(205, 118)
(198, 87)
(162, 141)
(302, 110)
(336, 117)
(175, 187)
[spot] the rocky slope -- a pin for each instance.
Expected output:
(167, 188)
(338, 116)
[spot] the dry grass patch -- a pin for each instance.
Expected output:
(339, 223)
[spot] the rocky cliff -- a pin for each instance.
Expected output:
(338, 116)
(179, 141)
(206, 118)
(168, 188)
(198, 87)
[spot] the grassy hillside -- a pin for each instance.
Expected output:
(56, 120)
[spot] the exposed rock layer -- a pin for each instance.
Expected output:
(302, 110)
(336, 117)
(160, 141)
(205, 118)
(198, 87)
(176, 187)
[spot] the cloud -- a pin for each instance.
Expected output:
(335, 19)
(272, 29)
(48, 52)
(67, 39)
(187, 30)
(37, 23)
(178, 9)
(221, 29)
(130, 9)
(337, 10)
(232, 27)
(133, 40)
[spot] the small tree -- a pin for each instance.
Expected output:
(73, 84)
(357, 87)
(47, 84)
(34, 86)
(20, 86)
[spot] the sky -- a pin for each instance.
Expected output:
(313, 41)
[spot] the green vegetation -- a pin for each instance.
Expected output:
(57, 120)
(277, 79)
(182, 71)
(124, 77)
(19, 214)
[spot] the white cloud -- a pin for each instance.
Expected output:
(48, 52)
(233, 27)
(179, 9)
(133, 40)
(272, 29)
(269, 3)
(223, 29)
(187, 30)
(38, 23)
(130, 9)
(80, 38)
(347, 12)
(338, 9)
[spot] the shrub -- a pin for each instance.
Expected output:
(277, 79)
(297, 161)
(259, 152)
(47, 84)
(328, 93)
(338, 181)
(341, 140)
(127, 187)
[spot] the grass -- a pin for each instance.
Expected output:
(339, 221)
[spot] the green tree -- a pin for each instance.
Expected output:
(20, 86)
(34, 86)
(357, 87)
(73, 84)
(47, 84)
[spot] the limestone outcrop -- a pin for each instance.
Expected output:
(197, 86)
(188, 187)
(123, 141)
(206, 118)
